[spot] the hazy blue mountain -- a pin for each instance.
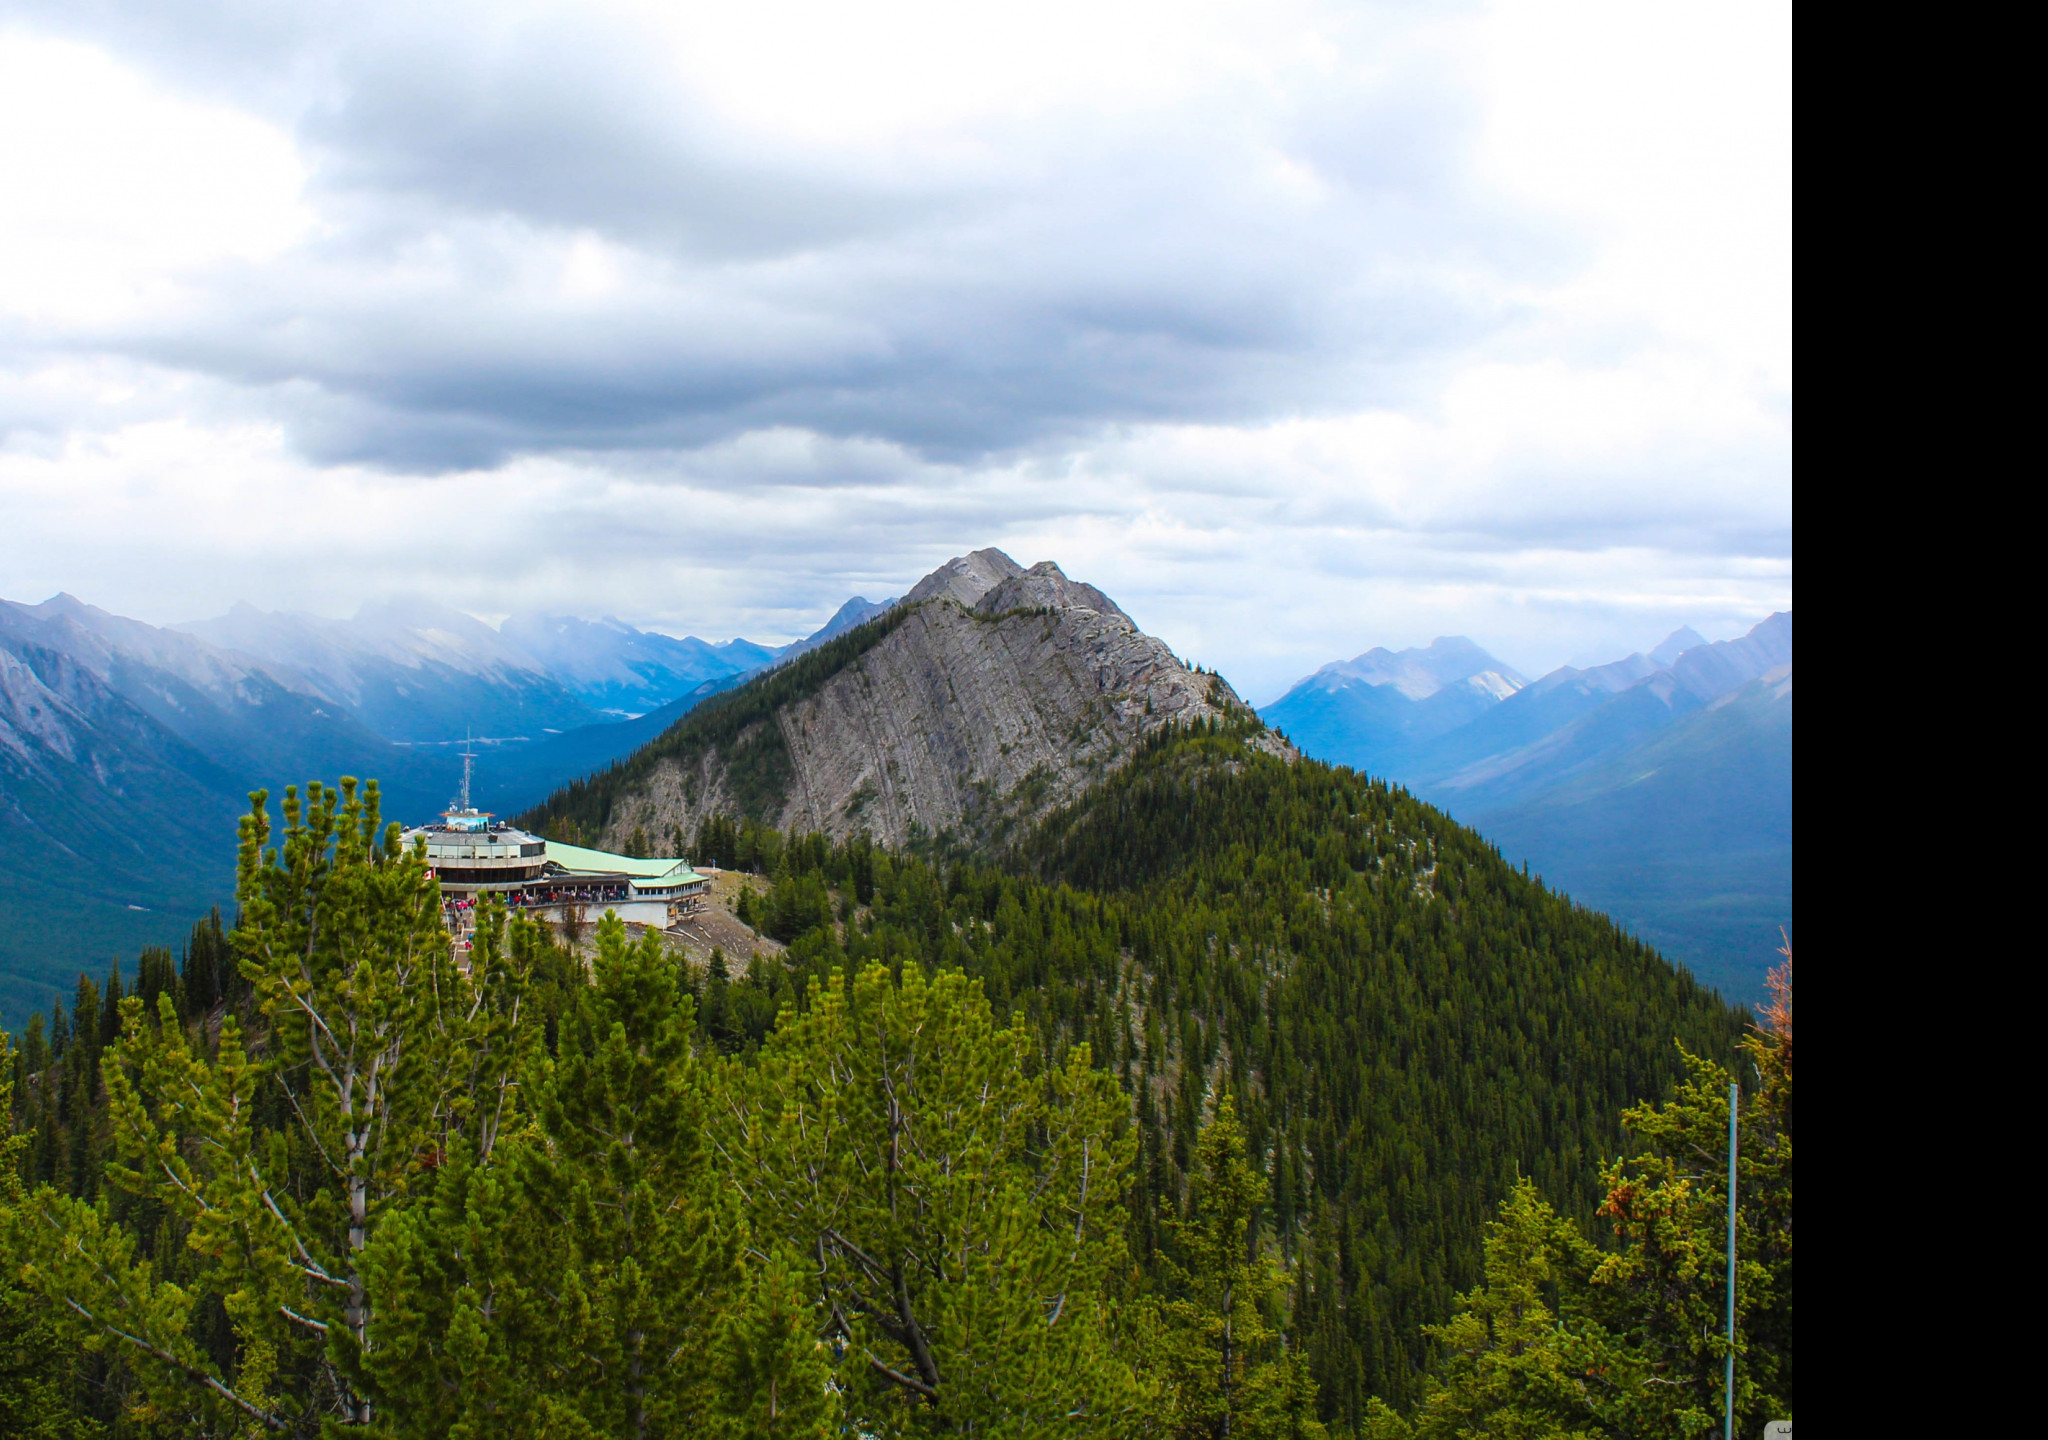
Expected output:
(618, 669)
(1540, 709)
(857, 611)
(1676, 644)
(1626, 716)
(1684, 835)
(512, 778)
(1384, 706)
(1657, 787)
(247, 717)
(1421, 672)
(120, 827)
(114, 833)
(407, 670)
(1615, 722)
(747, 656)
(1710, 671)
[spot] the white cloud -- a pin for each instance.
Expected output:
(116, 191)
(1666, 131)
(1299, 328)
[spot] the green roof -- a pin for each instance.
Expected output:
(575, 857)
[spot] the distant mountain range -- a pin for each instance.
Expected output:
(1657, 788)
(127, 749)
(420, 672)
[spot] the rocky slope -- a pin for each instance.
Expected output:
(988, 695)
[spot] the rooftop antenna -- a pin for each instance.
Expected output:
(468, 764)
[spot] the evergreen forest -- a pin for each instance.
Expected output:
(1240, 1098)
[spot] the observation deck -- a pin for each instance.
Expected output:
(473, 856)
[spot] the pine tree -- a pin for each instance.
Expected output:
(1228, 1370)
(80, 1096)
(34, 1056)
(382, 1055)
(208, 966)
(718, 1027)
(574, 1281)
(964, 1215)
(775, 1377)
(798, 904)
(617, 1170)
(1666, 1287)
(1511, 1368)
(110, 1008)
(37, 1365)
(157, 974)
(60, 1029)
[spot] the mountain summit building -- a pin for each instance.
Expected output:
(473, 857)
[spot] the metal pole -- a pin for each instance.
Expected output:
(1728, 1410)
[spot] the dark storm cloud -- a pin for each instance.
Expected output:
(1263, 258)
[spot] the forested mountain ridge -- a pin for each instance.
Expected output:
(1407, 1022)
(1417, 1022)
(1401, 1023)
(987, 695)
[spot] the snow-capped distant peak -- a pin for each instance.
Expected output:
(1494, 683)
(1420, 671)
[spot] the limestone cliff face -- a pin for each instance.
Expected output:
(966, 578)
(1001, 694)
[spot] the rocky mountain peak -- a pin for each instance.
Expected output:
(1675, 644)
(1045, 587)
(966, 578)
(965, 717)
(1710, 671)
(64, 603)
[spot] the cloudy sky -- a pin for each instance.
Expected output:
(1297, 327)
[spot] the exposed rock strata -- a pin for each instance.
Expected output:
(965, 578)
(1004, 694)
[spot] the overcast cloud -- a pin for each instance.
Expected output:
(1298, 328)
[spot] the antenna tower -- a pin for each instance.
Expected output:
(468, 764)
